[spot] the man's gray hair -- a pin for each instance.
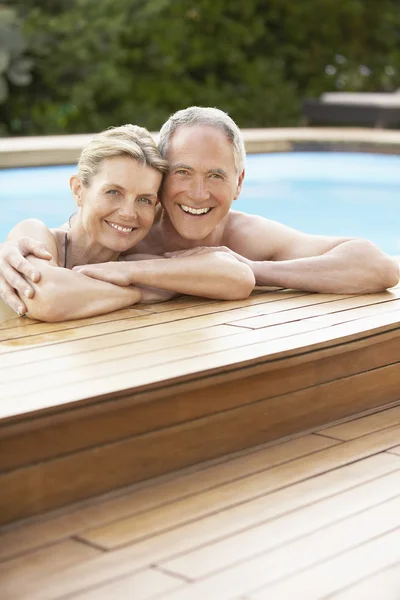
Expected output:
(212, 117)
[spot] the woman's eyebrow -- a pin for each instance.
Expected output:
(181, 166)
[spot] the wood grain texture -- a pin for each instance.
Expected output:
(264, 537)
(349, 567)
(37, 439)
(384, 584)
(358, 427)
(131, 559)
(127, 530)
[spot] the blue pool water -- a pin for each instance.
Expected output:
(349, 194)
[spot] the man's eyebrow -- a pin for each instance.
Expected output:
(218, 171)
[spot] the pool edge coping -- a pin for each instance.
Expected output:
(65, 149)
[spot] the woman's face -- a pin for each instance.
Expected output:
(117, 209)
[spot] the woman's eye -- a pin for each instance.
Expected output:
(112, 192)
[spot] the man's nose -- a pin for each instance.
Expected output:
(198, 190)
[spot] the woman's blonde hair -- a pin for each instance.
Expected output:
(129, 140)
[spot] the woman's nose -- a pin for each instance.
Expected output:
(128, 210)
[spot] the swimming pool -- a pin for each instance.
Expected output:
(332, 193)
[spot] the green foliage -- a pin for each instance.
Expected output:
(15, 67)
(106, 62)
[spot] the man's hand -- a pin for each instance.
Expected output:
(15, 270)
(199, 250)
(111, 272)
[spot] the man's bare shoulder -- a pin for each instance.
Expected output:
(251, 235)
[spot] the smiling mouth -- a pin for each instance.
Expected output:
(189, 210)
(120, 228)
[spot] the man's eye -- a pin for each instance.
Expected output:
(112, 192)
(181, 172)
(215, 176)
(146, 200)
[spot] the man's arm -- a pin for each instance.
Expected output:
(281, 256)
(215, 275)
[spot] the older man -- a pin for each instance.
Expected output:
(206, 153)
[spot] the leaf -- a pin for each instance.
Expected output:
(4, 60)
(3, 90)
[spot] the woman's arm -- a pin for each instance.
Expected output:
(61, 295)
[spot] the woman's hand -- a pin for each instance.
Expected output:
(16, 271)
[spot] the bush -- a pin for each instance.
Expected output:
(102, 63)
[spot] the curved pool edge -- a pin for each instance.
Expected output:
(65, 149)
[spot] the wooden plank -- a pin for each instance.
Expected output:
(141, 586)
(324, 579)
(125, 374)
(191, 311)
(54, 483)
(129, 346)
(363, 426)
(385, 584)
(347, 309)
(265, 536)
(28, 536)
(395, 450)
(300, 554)
(131, 529)
(82, 331)
(35, 439)
(27, 327)
(133, 558)
(21, 574)
(92, 471)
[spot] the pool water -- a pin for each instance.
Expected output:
(346, 194)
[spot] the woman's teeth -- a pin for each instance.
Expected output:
(120, 228)
(194, 211)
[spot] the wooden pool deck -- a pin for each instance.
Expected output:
(203, 450)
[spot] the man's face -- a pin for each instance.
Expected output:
(202, 182)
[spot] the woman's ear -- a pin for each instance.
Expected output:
(76, 189)
(239, 185)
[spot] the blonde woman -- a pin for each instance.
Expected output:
(116, 191)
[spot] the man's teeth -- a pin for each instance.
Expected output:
(119, 228)
(195, 211)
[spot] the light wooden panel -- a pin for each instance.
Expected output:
(133, 558)
(132, 315)
(128, 530)
(285, 560)
(371, 304)
(54, 435)
(364, 425)
(33, 535)
(395, 450)
(123, 375)
(28, 571)
(265, 536)
(385, 584)
(55, 483)
(351, 566)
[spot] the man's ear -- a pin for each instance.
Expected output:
(76, 189)
(239, 185)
